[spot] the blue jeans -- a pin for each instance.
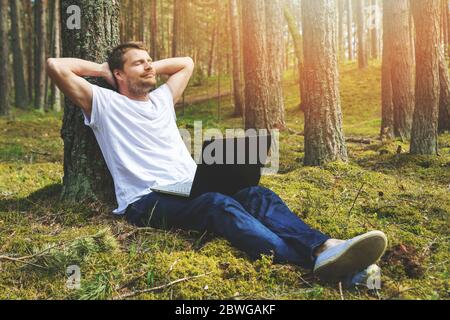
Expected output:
(254, 220)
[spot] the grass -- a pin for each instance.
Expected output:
(405, 196)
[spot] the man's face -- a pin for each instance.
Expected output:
(138, 73)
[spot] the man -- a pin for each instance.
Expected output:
(137, 133)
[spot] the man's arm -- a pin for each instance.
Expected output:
(180, 71)
(67, 74)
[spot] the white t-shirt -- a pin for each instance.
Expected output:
(140, 142)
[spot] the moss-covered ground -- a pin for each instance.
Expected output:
(408, 197)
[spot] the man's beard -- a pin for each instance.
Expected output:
(139, 88)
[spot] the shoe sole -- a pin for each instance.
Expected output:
(359, 255)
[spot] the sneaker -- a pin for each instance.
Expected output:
(350, 256)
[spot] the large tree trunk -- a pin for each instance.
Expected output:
(55, 94)
(86, 175)
(238, 83)
(361, 32)
(444, 79)
(324, 137)
(4, 59)
(425, 119)
(262, 109)
(401, 65)
(41, 30)
(274, 62)
(20, 88)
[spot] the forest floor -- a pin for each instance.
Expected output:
(408, 197)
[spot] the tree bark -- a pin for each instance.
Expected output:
(20, 88)
(274, 63)
(350, 30)
(324, 137)
(41, 18)
(387, 106)
(4, 60)
(238, 83)
(154, 30)
(361, 33)
(86, 175)
(425, 119)
(263, 110)
(55, 94)
(374, 31)
(341, 11)
(401, 65)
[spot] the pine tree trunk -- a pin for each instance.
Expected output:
(374, 31)
(350, 30)
(324, 137)
(263, 110)
(4, 60)
(387, 106)
(238, 84)
(425, 119)
(341, 11)
(41, 18)
(361, 32)
(274, 63)
(444, 96)
(402, 65)
(20, 89)
(298, 45)
(86, 175)
(55, 94)
(154, 30)
(29, 49)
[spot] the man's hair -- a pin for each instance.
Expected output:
(115, 59)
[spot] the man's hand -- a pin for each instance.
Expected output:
(180, 71)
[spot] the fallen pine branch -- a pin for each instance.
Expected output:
(134, 293)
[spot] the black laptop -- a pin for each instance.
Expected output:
(226, 166)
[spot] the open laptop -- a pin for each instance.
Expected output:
(226, 166)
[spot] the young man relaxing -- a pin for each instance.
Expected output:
(138, 136)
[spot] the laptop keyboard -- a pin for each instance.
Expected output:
(179, 188)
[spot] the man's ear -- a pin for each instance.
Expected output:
(118, 75)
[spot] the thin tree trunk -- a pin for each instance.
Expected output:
(20, 89)
(350, 30)
(41, 54)
(28, 27)
(387, 106)
(374, 30)
(361, 32)
(55, 94)
(238, 84)
(154, 30)
(5, 108)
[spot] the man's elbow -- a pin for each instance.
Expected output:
(190, 63)
(50, 66)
